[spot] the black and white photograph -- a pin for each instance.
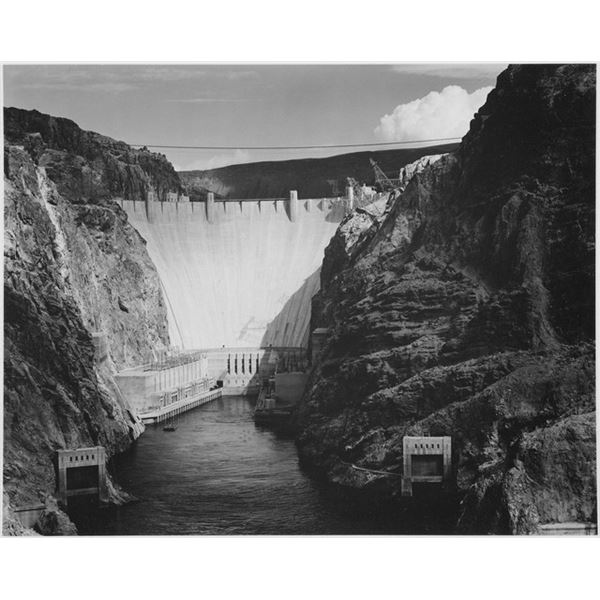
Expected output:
(299, 299)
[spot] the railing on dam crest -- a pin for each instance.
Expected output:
(292, 206)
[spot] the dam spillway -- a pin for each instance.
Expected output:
(241, 274)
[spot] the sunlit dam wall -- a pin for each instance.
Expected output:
(244, 279)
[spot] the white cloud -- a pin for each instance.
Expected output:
(442, 114)
(215, 161)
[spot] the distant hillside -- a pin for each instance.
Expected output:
(312, 177)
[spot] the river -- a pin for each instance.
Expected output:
(219, 473)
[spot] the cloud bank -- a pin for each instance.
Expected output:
(437, 115)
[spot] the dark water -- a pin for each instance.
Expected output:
(221, 474)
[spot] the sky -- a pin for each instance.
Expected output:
(256, 104)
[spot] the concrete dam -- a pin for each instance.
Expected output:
(238, 273)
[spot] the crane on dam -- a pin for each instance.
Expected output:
(382, 181)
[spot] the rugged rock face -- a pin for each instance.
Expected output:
(82, 298)
(359, 227)
(409, 171)
(468, 311)
(86, 166)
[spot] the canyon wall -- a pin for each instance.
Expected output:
(244, 279)
(468, 311)
(82, 298)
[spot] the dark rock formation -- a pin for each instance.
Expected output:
(468, 310)
(53, 521)
(71, 262)
(86, 166)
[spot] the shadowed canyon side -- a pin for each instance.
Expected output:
(82, 301)
(229, 281)
(468, 312)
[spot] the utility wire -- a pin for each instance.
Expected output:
(450, 139)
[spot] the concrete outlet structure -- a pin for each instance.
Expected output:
(426, 460)
(82, 472)
(241, 369)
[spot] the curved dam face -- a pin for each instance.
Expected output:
(244, 278)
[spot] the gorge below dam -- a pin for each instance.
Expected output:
(456, 310)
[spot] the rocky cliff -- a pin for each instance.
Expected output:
(467, 310)
(82, 297)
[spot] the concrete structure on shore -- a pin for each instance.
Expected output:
(155, 385)
(177, 383)
(82, 472)
(425, 460)
(180, 406)
(238, 272)
(569, 528)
